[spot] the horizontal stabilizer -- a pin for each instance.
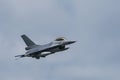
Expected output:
(20, 56)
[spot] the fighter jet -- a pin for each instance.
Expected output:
(38, 51)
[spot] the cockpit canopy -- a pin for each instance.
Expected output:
(60, 39)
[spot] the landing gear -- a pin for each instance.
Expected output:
(62, 47)
(37, 57)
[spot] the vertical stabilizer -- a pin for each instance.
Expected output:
(27, 40)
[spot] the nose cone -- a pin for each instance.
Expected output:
(69, 42)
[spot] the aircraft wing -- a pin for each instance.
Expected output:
(46, 50)
(50, 48)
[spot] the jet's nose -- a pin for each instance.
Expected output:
(69, 42)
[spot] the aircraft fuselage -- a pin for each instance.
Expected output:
(37, 51)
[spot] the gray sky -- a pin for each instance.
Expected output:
(94, 24)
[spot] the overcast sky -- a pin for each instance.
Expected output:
(94, 24)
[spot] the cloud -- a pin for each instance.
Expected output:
(85, 73)
(94, 24)
(68, 6)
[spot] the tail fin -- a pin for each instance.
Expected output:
(27, 40)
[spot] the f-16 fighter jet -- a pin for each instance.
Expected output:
(38, 51)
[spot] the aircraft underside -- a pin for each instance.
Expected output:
(44, 54)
